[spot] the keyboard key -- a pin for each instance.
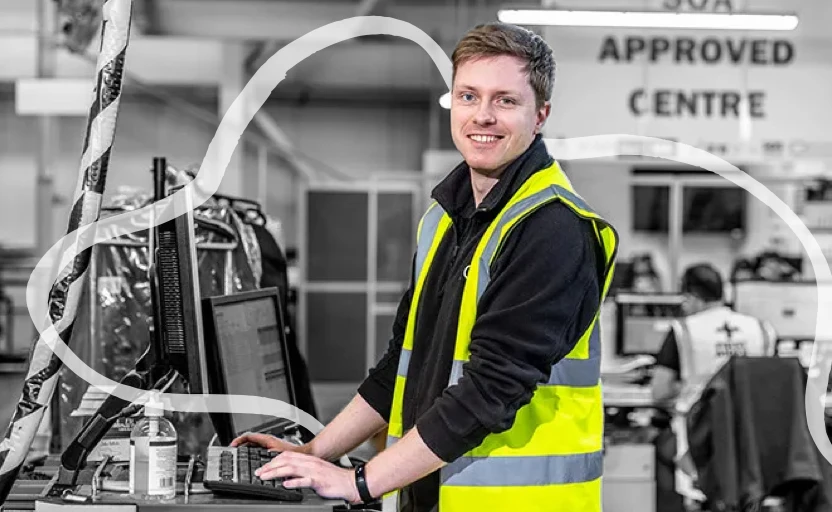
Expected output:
(242, 462)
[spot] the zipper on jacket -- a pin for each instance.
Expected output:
(450, 265)
(455, 250)
(453, 255)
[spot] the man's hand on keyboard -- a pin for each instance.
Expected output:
(269, 442)
(302, 470)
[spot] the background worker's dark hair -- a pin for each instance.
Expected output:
(703, 281)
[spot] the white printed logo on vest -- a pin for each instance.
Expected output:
(710, 337)
(731, 346)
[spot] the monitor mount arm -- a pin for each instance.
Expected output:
(145, 376)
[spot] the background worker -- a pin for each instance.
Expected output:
(696, 346)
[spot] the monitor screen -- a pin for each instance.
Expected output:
(651, 208)
(705, 209)
(643, 322)
(249, 350)
(713, 209)
(791, 307)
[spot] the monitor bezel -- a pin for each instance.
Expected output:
(636, 299)
(224, 423)
(740, 306)
(191, 365)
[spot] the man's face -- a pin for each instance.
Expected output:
(493, 114)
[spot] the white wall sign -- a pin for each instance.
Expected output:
(706, 52)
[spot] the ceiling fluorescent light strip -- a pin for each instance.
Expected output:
(683, 20)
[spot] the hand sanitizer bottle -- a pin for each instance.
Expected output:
(153, 454)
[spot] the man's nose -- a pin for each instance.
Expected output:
(485, 114)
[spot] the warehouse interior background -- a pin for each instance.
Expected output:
(346, 150)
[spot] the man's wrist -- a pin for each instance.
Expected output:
(361, 484)
(311, 448)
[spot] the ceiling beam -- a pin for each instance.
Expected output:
(373, 67)
(287, 20)
(154, 60)
(368, 7)
(247, 19)
(266, 49)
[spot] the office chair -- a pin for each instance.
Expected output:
(745, 438)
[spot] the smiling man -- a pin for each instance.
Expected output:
(490, 388)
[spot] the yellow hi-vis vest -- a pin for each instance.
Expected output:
(551, 458)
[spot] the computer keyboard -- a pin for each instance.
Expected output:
(231, 471)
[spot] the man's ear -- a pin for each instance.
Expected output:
(542, 115)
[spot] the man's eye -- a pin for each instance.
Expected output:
(508, 101)
(467, 96)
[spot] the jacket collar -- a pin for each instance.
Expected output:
(455, 196)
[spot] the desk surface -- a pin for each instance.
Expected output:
(108, 500)
(25, 494)
(617, 395)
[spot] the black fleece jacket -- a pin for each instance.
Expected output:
(544, 292)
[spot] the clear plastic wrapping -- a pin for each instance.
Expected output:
(113, 326)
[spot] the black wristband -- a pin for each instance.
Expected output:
(361, 485)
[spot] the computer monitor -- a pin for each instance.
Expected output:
(177, 313)
(621, 279)
(245, 338)
(177, 340)
(643, 321)
(791, 307)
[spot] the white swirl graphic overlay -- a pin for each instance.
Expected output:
(219, 153)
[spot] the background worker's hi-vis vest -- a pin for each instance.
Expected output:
(551, 458)
(706, 340)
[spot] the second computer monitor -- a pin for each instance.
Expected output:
(791, 307)
(247, 355)
(643, 321)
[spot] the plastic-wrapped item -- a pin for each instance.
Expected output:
(113, 327)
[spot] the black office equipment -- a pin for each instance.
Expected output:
(245, 342)
(231, 471)
(175, 349)
(643, 321)
(177, 314)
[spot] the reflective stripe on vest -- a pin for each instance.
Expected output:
(567, 372)
(404, 363)
(529, 470)
(431, 229)
(428, 228)
(684, 348)
(556, 438)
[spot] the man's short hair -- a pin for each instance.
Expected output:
(496, 39)
(703, 281)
